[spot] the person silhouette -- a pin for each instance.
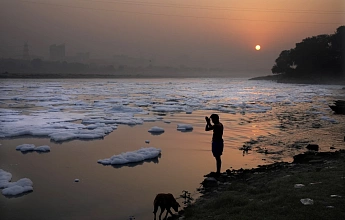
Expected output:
(217, 138)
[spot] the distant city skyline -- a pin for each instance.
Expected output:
(201, 33)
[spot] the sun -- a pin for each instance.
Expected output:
(257, 47)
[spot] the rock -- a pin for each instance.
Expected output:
(312, 155)
(316, 125)
(228, 171)
(210, 182)
(76, 180)
(338, 107)
(212, 174)
(314, 147)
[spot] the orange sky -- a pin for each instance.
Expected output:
(214, 33)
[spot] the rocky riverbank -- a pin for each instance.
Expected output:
(310, 187)
(278, 190)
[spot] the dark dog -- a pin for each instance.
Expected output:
(165, 201)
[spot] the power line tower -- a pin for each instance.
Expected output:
(26, 55)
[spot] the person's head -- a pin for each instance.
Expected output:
(215, 118)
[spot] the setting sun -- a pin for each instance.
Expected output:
(257, 47)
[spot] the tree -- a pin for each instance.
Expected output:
(337, 49)
(283, 63)
(317, 55)
(311, 54)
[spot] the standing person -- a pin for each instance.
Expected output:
(217, 138)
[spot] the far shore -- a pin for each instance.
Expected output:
(115, 75)
(321, 81)
(148, 75)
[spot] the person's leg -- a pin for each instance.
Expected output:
(219, 163)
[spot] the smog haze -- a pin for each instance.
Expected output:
(203, 33)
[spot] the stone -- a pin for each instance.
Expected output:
(316, 125)
(210, 182)
(228, 172)
(314, 147)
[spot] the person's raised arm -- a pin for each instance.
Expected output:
(208, 124)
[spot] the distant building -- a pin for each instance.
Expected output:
(57, 52)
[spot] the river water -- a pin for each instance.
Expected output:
(269, 116)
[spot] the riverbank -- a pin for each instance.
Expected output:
(305, 80)
(311, 187)
(272, 191)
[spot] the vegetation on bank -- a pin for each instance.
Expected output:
(321, 56)
(270, 192)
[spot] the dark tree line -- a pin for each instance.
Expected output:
(322, 55)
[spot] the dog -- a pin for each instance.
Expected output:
(165, 201)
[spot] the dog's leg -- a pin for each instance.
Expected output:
(162, 210)
(168, 211)
(155, 210)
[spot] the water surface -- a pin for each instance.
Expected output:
(107, 192)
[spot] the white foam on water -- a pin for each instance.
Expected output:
(14, 188)
(61, 113)
(156, 129)
(32, 147)
(43, 148)
(132, 156)
(26, 147)
(184, 127)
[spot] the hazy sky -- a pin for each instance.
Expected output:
(217, 33)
